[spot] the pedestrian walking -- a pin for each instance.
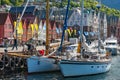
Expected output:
(15, 44)
(6, 43)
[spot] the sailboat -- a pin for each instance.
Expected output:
(43, 63)
(85, 62)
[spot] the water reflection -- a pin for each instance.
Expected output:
(45, 76)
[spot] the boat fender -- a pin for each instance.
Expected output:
(12, 65)
(25, 62)
(41, 52)
(16, 61)
(1, 65)
(107, 54)
(6, 59)
(21, 62)
(56, 61)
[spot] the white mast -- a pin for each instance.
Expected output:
(98, 6)
(17, 23)
(82, 18)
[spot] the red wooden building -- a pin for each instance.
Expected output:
(6, 27)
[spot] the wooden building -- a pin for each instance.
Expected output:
(6, 28)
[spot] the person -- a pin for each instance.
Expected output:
(24, 45)
(6, 43)
(15, 44)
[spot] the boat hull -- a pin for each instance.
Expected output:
(41, 64)
(75, 68)
(113, 51)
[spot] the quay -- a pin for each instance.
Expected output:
(19, 49)
(17, 59)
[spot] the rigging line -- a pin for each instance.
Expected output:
(17, 23)
(21, 16)
(51, 13)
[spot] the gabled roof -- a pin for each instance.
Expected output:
(62, 12)
(16, 10)
(14, 17)
(29, 17)
(3, 17)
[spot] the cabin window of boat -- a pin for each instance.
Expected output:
(71, 23)
(97, 66)
(68, 48)
(110, 43)
(73, 47)
(94, 57)
(92, 66)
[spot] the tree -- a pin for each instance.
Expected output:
(12, 2)
(88, 4)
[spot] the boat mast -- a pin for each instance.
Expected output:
(98, 6)
(81, 28)
(47, 21)
(64, 26)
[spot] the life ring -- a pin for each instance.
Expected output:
(1, 65)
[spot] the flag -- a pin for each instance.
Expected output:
(75, 32)
(69, 33)
(40, 28)
(79, 32)
(32, 27)
(36, 27)
(44, 26)
(60, 30)
(57, 30)
(19, 27)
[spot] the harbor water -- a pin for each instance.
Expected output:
(113, 74)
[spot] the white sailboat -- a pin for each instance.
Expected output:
(85, 62)
(43, 63)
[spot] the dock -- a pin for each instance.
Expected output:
(18, 59)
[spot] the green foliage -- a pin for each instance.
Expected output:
(12, 2)
(88, 4)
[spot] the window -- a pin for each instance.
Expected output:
(78, 18)
(71, 23)
(73, 18)
(10, 26)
